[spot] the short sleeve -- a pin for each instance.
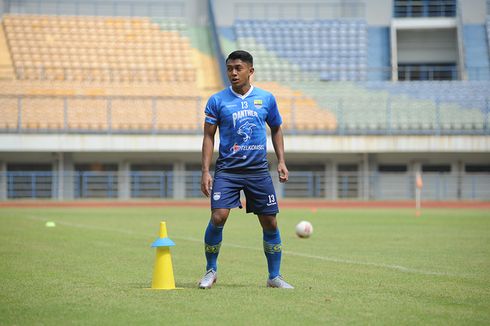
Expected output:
(273, 117)
(211, 111)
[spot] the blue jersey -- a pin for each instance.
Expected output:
(241, 120)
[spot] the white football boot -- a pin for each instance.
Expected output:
(278, 282)
(208, 279)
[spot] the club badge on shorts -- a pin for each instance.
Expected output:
(217, 195)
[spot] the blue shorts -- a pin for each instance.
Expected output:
(259, 193)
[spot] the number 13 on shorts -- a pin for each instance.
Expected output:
(272, 200)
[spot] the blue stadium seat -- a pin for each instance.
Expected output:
(339, 42)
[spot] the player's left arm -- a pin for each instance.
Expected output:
(278, 142)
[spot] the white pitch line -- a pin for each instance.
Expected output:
(287, 252)
(342, 261)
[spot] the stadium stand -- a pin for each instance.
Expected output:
(6, 67)
(327, 49)
(88, 114)
(96, 67)
(9, 120)
(404, 107)
(107, 73)
(98, 49)
(453, 105)
(298, 111)
(42, 113)
(325, 61)
(131, 74)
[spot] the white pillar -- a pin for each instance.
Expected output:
(58, 168)
(68, 171)
(64, 176)
(459, 180)
(327, 180)
(394, 53)
(365, 176)
(453, 182)
(332, 178)
(124, 180)
(179, 180)
(3, 181)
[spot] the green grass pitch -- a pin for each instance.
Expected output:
(364, 266)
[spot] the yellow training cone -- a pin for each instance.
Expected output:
(163, 274)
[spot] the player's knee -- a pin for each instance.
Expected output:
(219, 217)
(268, 222)
(270, 227)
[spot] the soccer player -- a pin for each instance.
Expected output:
(241, 113)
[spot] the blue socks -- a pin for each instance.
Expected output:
(272, 248)
(212, 243)
(273, 251)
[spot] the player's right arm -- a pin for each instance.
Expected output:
(207, 155)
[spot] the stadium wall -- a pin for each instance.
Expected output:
(376, 168)
(378, 52)
(429, 46)
(379, 12)
(473, 11)
(334, 167)
(476, 52)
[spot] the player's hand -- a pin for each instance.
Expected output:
(206, 183)
(283, 172)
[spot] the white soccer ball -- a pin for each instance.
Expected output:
(304, 229)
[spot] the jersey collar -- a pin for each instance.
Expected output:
(244, 96)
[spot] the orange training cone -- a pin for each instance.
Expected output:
(163, 274)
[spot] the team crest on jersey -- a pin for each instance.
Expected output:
(246, 130)
(217, 195)
(258, 104)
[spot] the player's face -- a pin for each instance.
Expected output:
(239, 73)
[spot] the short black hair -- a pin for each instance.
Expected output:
(241, 55)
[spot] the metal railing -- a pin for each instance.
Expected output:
(34, 184)
(302, 184)
(349, 114)
(100, 114)
(424, 8)
(317, 69)
(427, 72)
(147, 184)
(44, 72)
(314, 71)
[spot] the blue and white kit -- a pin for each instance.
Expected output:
(242, 120)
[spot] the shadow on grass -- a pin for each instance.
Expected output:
(194, 285)
(188, 285)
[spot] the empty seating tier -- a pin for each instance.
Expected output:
(298, 111)
(404, 107)
(319, 49)
(98, 74)
(82, 48)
